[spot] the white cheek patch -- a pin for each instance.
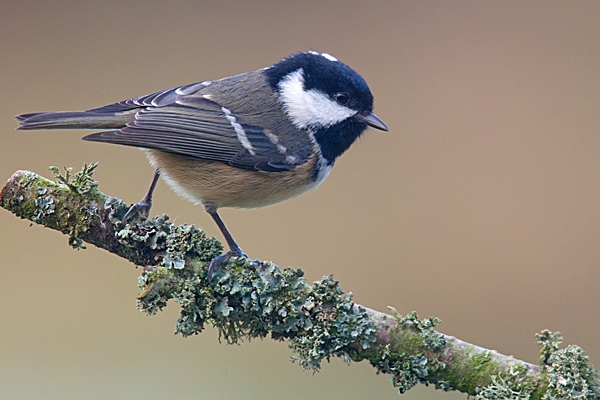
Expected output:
(309, 108)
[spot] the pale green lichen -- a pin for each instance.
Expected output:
(549, 343)
(570, 376)
(337, 325)
(249, 300)
(406, 370)
(117, 210)
(185, 242)
(80, 182)
(446, 386)
(568, 372)
(179, 243)
(44, 206)
(567, 375)
(500, 389)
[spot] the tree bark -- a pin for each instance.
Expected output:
(249, 299)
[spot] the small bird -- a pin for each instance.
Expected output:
(244, 141)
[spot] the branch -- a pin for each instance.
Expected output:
(248, 300)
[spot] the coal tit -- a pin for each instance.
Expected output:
(244, 141)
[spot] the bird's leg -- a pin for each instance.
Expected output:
(143, 206)
(234, 249)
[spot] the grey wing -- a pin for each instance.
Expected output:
(196, 127)
(162, 98)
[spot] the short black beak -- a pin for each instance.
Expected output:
(373, 121)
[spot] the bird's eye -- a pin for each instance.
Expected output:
(342, 98)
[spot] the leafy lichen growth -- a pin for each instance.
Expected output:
(567, 375)
(549, 343)
(336, 324)
(80, 182)
(401, 367)
(178, 244)
(501, 389)
(248, 300)
(570, 375)
(44, 205)
(568, 372)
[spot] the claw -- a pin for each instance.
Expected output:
(219, 261)
(142, 209)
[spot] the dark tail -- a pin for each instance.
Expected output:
(73, 120)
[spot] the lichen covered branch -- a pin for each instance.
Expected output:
(249, 300)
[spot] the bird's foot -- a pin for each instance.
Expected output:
(141, 209)
(219, 261)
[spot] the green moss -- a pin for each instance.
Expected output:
(54, 207)
(410, 356)
(511, 383)
(472, 370)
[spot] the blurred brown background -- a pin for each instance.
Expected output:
(481, 206)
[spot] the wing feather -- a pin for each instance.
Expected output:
(195, 127)
(186, 121)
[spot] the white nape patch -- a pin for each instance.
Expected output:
(309, 108)
(329, 57)
(239, 131)
(326, 55)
